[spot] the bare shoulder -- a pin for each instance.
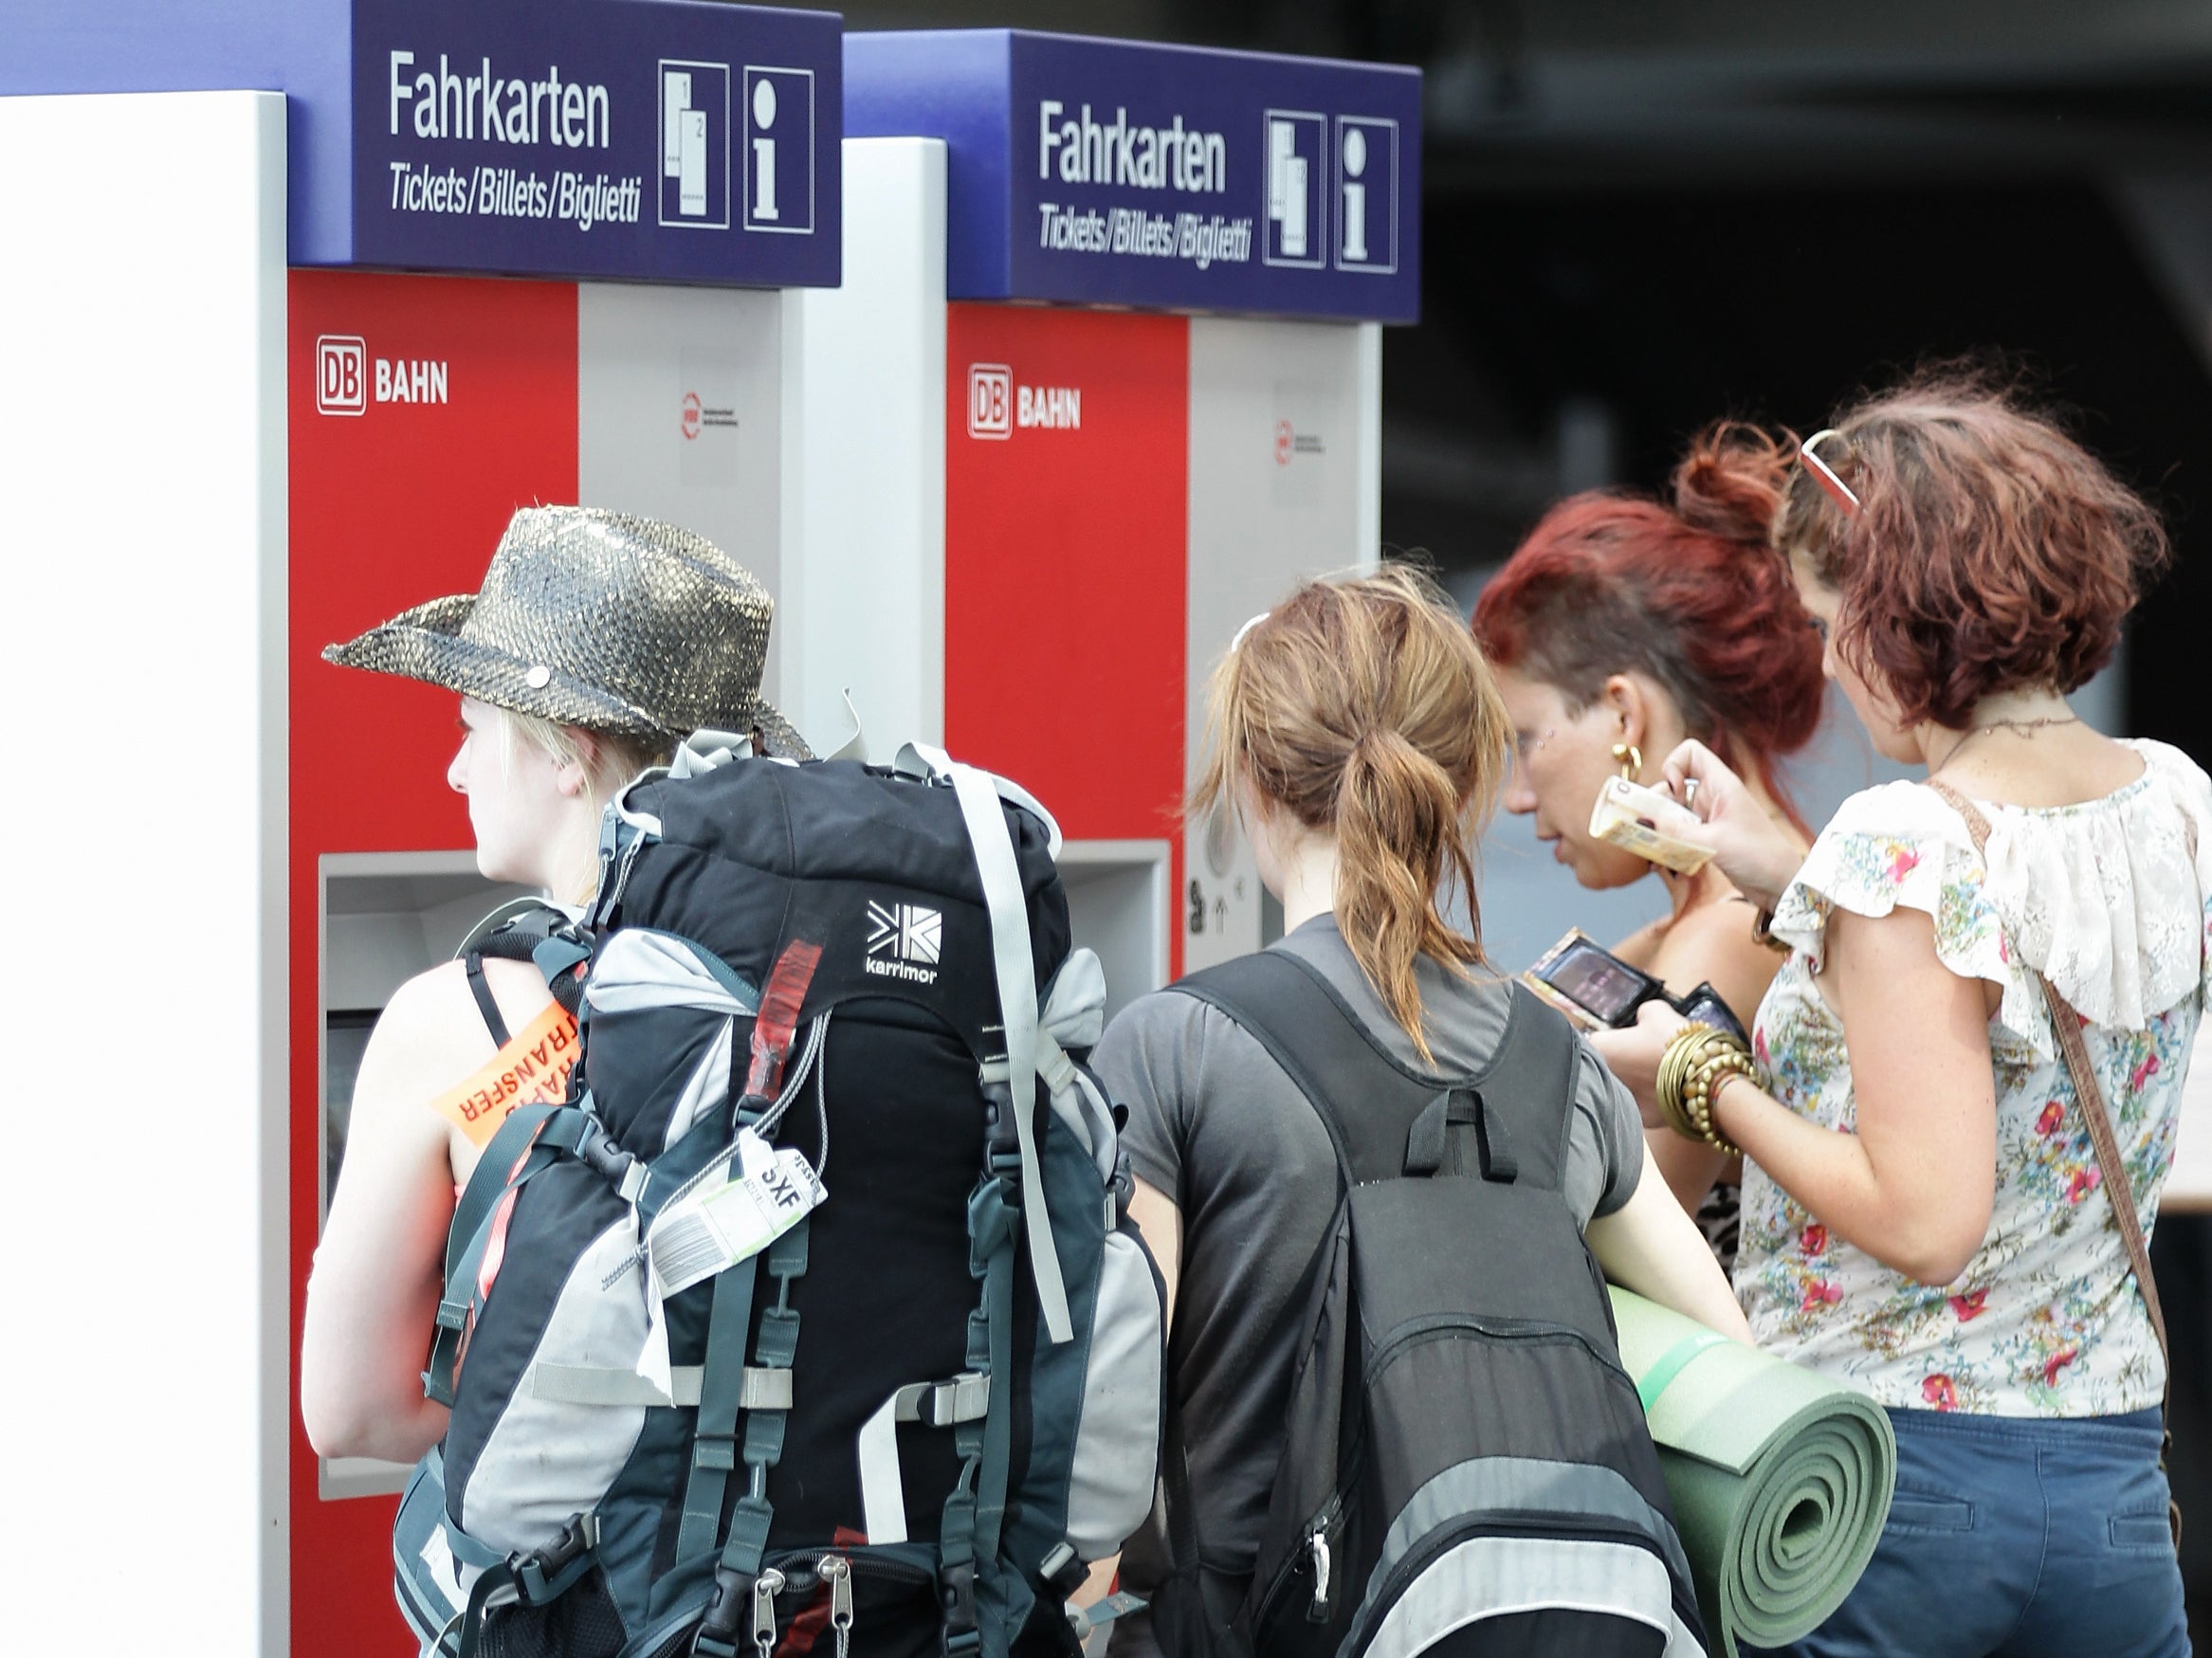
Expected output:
(1712, 943)
(1641, 947)
(1723, 925)
(430, 1035)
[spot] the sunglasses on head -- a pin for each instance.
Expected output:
(1822, 474)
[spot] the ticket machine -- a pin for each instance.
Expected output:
(324, 290)
(1139, 358)
(471, 258)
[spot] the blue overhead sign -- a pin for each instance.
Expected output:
(597, 138)
(661, 140)
(1112, 173)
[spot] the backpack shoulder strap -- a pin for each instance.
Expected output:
(1305, 1029)
(524, 929)
(1287, 1004)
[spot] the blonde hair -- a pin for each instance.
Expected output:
(1364, 707)
(614, 758)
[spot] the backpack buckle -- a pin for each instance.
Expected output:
(956, 1596)
(601, 1152)
(965, 1398)
(717, 1636)
(579, 1536)
(541, 1571)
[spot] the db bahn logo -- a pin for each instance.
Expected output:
(341, 375)
(990, 400)
(997, 405)
(344, 383)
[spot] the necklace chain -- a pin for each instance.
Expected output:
(2017, 727)
(2025, 725)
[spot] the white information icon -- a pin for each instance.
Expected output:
(1355, 211)
(764, 150)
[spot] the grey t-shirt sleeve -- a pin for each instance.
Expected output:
(1148, 1058)
(1605, 1140)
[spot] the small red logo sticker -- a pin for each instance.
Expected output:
(990, 400)
(690, 415)
(341, 378)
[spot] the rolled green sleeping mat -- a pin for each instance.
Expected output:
(1780, 1478)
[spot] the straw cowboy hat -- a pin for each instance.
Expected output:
(597, 619)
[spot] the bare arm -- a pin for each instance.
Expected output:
(1914, 1185)
(1650, 1245)
(1710, 944)
(1688, 1168)
(373, 1299)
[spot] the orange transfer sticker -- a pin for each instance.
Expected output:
(532, 1069)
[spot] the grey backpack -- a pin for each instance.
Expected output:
(1467, 1469)
(842, 997)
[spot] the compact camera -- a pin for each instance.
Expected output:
(1594, 988)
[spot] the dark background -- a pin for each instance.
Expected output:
(1640, 214)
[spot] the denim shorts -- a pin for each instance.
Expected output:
(2019, 1537)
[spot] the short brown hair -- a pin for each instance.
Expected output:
(1364, 708)
(1990, 550)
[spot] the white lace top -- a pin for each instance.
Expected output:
(2106, 899)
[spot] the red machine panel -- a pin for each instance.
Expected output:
(1067, 462)
(423, 411)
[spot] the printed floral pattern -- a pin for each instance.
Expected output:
(2045, 1320)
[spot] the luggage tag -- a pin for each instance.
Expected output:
(717, 1224)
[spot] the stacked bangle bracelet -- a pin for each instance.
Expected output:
(1698, 1059)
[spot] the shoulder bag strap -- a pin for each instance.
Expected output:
(2118, 1192)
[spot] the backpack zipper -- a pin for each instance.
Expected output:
(1415, 1330)
(837, 1571)
(800, 1572)
(764, 1588)
(1316, 1553)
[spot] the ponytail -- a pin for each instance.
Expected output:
(1364, 709)
(1398, 844)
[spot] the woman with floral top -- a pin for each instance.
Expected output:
(1924, 1218)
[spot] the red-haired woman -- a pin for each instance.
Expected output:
(1357, 731)
(1925, 1211)
(1620, 628)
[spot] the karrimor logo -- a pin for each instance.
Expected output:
(990, 400)
(904, 941)
(779, 150)
(695, 145)
(341, 375)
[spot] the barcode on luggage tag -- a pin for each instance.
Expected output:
(705, 1234)
(687, 1250)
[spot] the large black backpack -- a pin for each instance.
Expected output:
(907, 1424)
(1468, 1469)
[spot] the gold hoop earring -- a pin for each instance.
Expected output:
(1631, 759)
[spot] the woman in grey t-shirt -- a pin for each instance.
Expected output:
(1359, 735)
